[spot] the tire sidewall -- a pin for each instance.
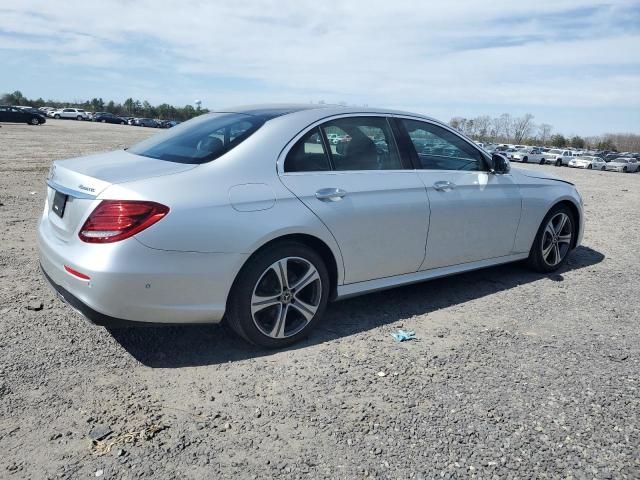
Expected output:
(239, 305)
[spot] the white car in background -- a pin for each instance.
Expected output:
(525, 155)
(509, 152)
(623, 164)
(333, 138)
(557, 157)
(77, 113)
(588, 162)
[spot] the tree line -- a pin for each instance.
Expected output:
(502, 129)
(128, 108)
(524, 131)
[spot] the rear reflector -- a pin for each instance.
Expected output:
(115, 220)
(76, 273)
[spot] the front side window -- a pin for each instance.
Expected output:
(361, 143)
(201, 139)
(308, 154)
(439, 149)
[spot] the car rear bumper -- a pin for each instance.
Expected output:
(86, 311)
(129, 282)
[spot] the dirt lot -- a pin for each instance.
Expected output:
(513, 375)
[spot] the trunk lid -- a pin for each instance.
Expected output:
(81, 180)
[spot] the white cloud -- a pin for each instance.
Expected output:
(391, 53)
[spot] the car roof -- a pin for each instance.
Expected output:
(269, 111)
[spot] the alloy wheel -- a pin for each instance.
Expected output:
(286, 297)
(556, 239)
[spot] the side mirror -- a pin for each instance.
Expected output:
(500, 163)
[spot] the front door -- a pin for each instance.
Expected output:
(358, 186)
(474, 213)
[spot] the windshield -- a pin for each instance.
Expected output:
(201, 139)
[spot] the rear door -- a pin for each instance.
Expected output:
(361, 189)
(474, 213)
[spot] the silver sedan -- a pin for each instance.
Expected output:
(254, 216)
(623, 164)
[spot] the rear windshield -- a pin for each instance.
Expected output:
(201, 139)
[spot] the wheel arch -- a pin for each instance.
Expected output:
(313, 242)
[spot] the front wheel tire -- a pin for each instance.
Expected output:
(558, 163)
(553, 241)
(279, 295)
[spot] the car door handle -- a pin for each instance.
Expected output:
(330, 194)
(444, 186)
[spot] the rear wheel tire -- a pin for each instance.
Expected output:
(589, 166)
(553, 241)
(624, 169)
(279, 295)
(558, 163)
(57, 116)
(525, 160)
(34, 121)
(542, 162)
(78, 118)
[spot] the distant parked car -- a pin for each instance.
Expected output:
(333, 138)
(108, 118)
(611, 156)
(33, 110)
(19, 115)
(557, 157)
(528, 155)
(147, 122)
(168, 123)
(509, 153)
(77, 113)
(623, 164)
(589, 162)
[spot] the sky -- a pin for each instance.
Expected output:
(573, 64)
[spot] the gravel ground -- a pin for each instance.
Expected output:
(513, 374)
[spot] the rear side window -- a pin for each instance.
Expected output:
(201, 139)
(362, 143)
(439, 149)
(308, 154)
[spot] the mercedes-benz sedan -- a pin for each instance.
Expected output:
(255, 216)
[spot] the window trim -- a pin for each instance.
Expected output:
(414, 154)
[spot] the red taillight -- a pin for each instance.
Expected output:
(115, 220)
